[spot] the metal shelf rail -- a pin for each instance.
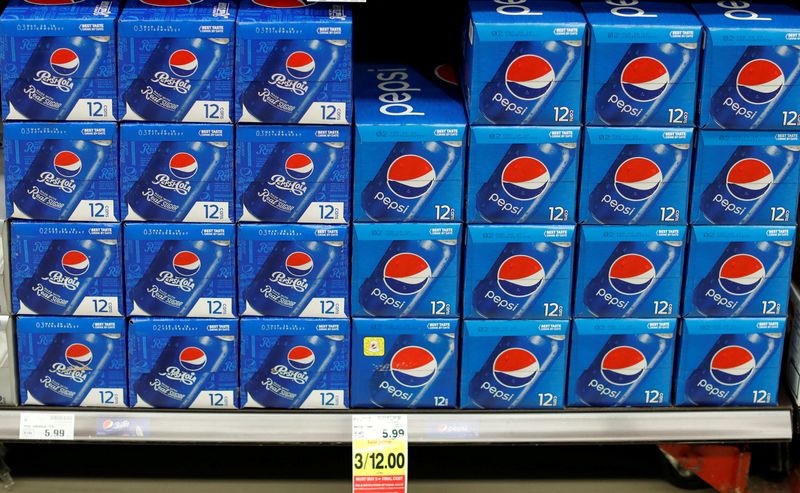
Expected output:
(674, 425)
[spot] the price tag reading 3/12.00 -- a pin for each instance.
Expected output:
(46, 426)
(380, 450)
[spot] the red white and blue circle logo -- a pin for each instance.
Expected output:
(741, 274)
(193, 359)
(525, 178)
(300, 65)
(53, 2)
(446, 72)
(78, 355)
(644, 79)
(749, 179)
(520, 276)
(406, 273)
(637, 178)
(170, 3)
(67, 164)
(623, 365)
(183, 63)
(410, 176)
(515, 367)
(183, 165)
(299, 166)
(529, 77)
(186, 263)
(760, 81)
(75, 263)
(631, 274)
(64, 62)
(301, 358)
(732, 365)
(299, 264)
(283, 4)
(413, 366)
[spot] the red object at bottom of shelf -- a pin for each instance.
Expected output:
(725, 468)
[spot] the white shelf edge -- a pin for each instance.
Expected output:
(593, 426)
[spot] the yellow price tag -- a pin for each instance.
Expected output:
(380, 453)
(373, 346)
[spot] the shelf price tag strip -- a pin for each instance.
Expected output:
(380, 452)
(46, 426)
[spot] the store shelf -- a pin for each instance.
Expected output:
(796, 417)
(571, 426)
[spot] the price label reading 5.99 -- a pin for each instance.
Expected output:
(380, 451)
(46, 426)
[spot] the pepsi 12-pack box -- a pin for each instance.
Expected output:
(294, 63)
(729, 362)
(62, 171)
(404, 363)
(738, 271)
(292, 270)
(518, 272)
(72, 361)
(293, 174)
(180, 270)
(643, 63)
(621, 362)
(523, 175)
(290, 363)
(523, 62)
(176, 61)
(406, 270)
(750, 66)
(745, 177)
(514, 364)
(66, 269)
(59, 60)
(629, 271)
(176, 173)
(636, 175)
(409, 146)
(182, 363)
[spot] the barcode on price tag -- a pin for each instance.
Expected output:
(46, 426)
(380, 451)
